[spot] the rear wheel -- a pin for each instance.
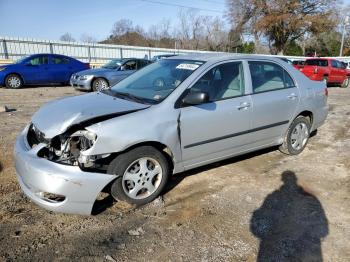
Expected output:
(297, 136)
(13, 81)
(100, 84)
(143, 172)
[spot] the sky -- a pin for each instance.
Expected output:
(49, 19)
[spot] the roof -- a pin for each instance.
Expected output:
(214, 57)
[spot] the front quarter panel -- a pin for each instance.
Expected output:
(155, 124)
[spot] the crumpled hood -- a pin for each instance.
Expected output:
(56, 117)
(95, 71)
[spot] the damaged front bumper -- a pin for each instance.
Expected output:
(56, 187)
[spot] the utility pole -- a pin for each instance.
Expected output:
(345, 23)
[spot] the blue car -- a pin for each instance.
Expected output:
(40, 69)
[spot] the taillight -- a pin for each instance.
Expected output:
(326, 91)
(316, 70)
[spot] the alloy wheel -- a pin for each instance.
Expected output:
(142, 178)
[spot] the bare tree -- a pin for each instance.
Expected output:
(67, 37)
(122, 27)
(85, 38)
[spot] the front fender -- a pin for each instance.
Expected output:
(120, 133)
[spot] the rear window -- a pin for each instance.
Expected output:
(316, 62)
(59, 60)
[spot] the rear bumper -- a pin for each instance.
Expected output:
(37, 176)
(320, 117)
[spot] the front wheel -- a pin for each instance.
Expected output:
(143, 173)
(13, 81)
(297, 136)
(100, 84)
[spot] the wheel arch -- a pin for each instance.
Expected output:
(164, 149)
(15, 73)
(308, 114)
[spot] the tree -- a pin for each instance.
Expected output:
(293, 49)
(85, 38)
(67, 37)
(122, 27)
(282, 21)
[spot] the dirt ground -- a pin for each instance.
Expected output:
(265, 205)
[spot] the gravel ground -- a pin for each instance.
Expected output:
(265, 206)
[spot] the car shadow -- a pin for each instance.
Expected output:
(290, 224)
(103, 204)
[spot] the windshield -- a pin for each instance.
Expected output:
(155, 82)
(18, 61)
(113, 64)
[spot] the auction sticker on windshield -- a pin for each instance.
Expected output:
(187, 66)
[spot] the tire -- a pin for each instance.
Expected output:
(297, 136)
(346, 83)
(100, 84)
(143, 173)
(13, 81)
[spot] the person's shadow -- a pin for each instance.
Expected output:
(290, 224)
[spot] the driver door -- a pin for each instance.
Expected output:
(124, 71)
(216, 129)
(36, 70)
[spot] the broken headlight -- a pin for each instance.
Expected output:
(67, 148)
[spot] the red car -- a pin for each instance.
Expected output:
(298, 64)
(326, 69)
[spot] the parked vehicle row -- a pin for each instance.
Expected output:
(40, 69)
(43, 69)
(162, 120)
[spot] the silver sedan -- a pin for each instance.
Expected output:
(98, 79)
(174, 115)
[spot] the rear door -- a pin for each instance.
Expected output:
(275, 99)
(220, 127)
(60, 69)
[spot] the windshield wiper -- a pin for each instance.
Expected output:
(130, 97)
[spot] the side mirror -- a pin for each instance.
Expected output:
(122, 68)
(28, 64)
(195, 98)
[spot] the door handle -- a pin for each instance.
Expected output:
(243, 105)
(292, 96)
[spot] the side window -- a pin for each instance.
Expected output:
(141, 63)
(340, 65)
(334, 63)
(267, 76)
(130, 65)
(221, 82)
(39, 60)
(59, 60)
